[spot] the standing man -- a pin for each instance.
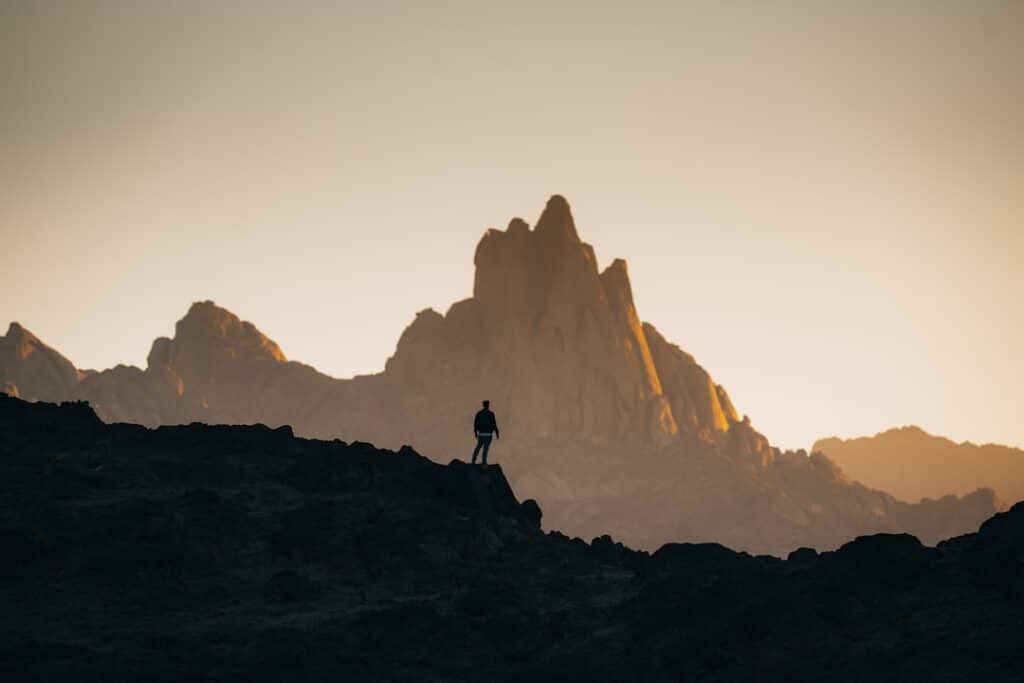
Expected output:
(484, 427)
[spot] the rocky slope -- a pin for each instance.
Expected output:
(610, 426)
(912, 464)
(243, 553)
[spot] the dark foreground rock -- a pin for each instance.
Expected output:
(243, 553)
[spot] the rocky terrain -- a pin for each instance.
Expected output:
(911, 464)
(241, 552)
(610, 426)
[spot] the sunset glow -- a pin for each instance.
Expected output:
(820, 201)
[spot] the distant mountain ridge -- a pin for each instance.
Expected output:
(911, 464)
(611, 427)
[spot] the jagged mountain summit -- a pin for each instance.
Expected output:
(911, 464)
(244, 553)
(611, 427)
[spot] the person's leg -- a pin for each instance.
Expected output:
(487, 445)
(479, 444)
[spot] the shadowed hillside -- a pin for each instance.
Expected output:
(912, 464)
(610, 426)
(243, 553)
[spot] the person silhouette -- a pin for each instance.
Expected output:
(484, 427)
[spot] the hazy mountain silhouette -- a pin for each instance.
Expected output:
(243, 553)
(912, 464)
(611, 427)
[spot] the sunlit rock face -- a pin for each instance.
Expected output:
(551, 340)
(698, 404)
(611, 427)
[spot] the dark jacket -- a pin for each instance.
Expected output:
(485, 422)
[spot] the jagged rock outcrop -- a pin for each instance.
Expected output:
(912, 464)
(244, 553)
(546, 336)
(613, 429)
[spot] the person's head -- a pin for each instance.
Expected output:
(487, 404)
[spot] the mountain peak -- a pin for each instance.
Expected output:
(204, 313)
(16, 331)
(32, 370)
(615, 279)
(22, 340)
(912, 430)
(556, 220)
(517, 226)
(208, 323)
(517, 267)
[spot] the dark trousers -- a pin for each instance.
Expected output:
(484, 443)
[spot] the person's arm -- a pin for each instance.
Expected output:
(497, 434)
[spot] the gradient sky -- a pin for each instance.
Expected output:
(823, 202)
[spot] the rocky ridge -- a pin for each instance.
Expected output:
(242, 552)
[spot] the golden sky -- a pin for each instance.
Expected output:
(823, 202)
